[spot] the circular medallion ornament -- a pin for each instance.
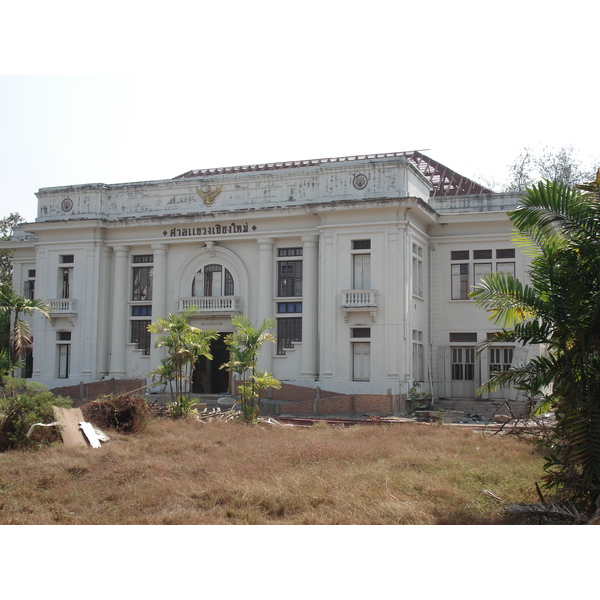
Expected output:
(66, 204)
(360, 182)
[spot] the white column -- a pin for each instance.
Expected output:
(310, 297)
(104, 308)
(88, 366)
(159, 296)
(119, 325)
(44, 335)
(266, 268)
(329, 306)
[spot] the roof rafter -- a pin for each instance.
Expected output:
(443, 181)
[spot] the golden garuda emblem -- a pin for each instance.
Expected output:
(209, 194)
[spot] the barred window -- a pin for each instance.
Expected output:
(289, 278)
(140, 335)
(283, 252)
(289, 330)
(143, 258)
(361, 244)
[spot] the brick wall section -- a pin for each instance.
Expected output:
(298, 400)
(93, 390)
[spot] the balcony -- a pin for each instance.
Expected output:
(212, 305)
(62, 307)
(359, 301)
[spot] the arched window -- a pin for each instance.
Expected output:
(212, 280)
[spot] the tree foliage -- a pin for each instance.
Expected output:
(561, 166)
(559, 226)
(7, 224)
(22, 404)
(13, 307)
(244, 346)
(185, 344)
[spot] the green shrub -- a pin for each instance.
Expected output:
(23, 403)
(126, 413)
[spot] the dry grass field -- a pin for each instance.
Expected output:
(185, 472)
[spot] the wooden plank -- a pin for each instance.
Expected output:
(68, 425)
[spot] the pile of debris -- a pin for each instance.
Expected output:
(74, 429)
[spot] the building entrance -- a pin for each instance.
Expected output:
(208, 377)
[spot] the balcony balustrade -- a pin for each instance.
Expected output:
(212, 304)
(357, 301)
(62, 307)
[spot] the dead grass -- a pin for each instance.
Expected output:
(183, 472)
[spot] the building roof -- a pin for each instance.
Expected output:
(444, 181)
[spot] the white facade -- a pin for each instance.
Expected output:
(365, 271)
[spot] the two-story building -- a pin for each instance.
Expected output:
(365, 262)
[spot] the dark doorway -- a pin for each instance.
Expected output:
(208, 377)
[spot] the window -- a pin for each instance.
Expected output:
(29, 285)
(63, 351)
(285, 252)
(500, 359)
(289, 307)
(142, 284)
(361, 361)
(213, 281)
(460, 281)
(289, 273)
(418, 355)
(141, 310)
(361, 244)
(481, 269)
(361, 332)
(463, 337)
(142, 258)
(463, 364)
(361, 265)
(140, 335)
(361, 353)
(482, 263)
(289, 330)
(417, 270)
(28, 365)
(506, 267)
(65, 276)
(505, 253)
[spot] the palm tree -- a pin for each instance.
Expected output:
(184, 344)
(559, 226)
(244, 346)
(13, 307)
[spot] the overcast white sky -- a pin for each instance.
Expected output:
(132, 91)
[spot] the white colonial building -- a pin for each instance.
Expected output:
(365, 262)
